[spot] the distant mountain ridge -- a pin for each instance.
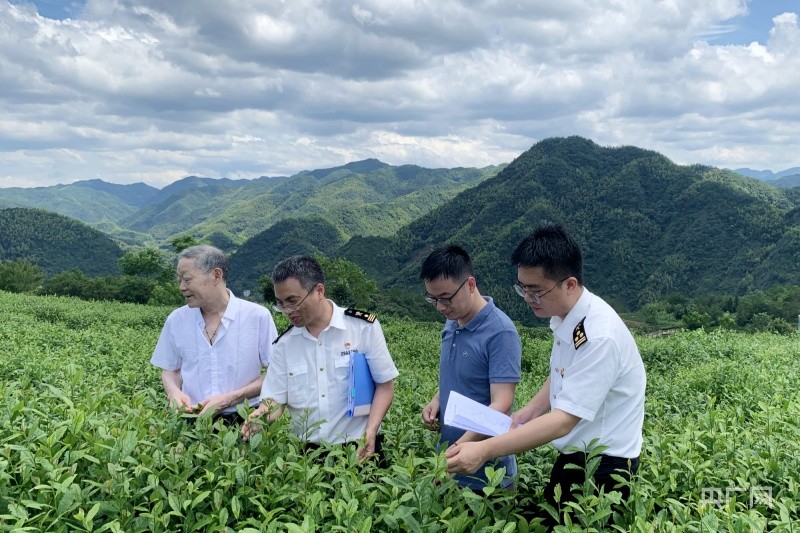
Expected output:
(649, 228)
(363, 197)
(136, 194)
(786, 178)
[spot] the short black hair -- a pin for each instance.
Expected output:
(303, 268)
(451, 262)
(553, 249)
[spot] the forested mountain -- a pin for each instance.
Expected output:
(648, 227)
(787, 182)
(56, 243)
(257, 257)
(135, 194)
(361, 198)
(88, 204)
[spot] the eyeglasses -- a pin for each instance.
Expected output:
(444, 301)
(288, 308)
(535, 296)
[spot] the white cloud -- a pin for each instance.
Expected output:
(151, 90)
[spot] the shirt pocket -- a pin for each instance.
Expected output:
(341, 366)
(300, 391)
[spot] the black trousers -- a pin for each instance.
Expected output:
(565, 478)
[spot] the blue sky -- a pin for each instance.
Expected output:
(755, 25)
(153, 90)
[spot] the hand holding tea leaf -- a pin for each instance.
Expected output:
(430, 414)
(213, 404)
(181, 402)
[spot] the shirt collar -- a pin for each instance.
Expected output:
(337, 321)
(563, 328)
(477, 320)
(230, 311)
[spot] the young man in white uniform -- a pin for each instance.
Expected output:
(309, 368)
(597, 379)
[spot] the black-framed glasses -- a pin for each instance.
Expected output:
(444, 301)
(535, 296)
(288, 308)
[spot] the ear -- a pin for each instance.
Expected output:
(572, 283)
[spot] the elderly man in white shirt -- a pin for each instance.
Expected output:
(212, 350)
(594, 395)
(309, 369)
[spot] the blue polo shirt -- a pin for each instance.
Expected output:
(484, 351)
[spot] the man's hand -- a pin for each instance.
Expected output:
(524, 415)
(181, 401)
(250, 427)
(466, 458)
(363, 452)
(214, 403)
(430, 414)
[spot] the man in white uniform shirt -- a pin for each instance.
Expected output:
(596, 388)
(213, 349)
(309, 368)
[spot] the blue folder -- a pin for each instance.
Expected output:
(362, 386)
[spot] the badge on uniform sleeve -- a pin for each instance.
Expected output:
(282, 334)
(579, 335)
(363, 315)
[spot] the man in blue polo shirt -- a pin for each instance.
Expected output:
(480, 354)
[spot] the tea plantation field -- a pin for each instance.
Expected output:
(87, 442)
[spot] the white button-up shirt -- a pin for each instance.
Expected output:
(311, 376)
(242, 347)
(602, 381)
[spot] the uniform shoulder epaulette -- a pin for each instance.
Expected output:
(363, 315)
(579, 334)
(282, 334)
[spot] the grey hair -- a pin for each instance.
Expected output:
(206, 258)
(303, 268)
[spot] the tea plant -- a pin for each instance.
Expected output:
(87, 442)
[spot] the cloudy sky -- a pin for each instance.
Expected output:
(155, 90)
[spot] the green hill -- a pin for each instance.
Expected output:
(81, 202)
(258, 256)
(56, 243)
(648, 227)
(361, 198)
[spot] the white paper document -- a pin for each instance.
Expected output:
(468, 414)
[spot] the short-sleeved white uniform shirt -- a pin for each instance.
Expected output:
(242, 347)
(597, 374)
(310, 376)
